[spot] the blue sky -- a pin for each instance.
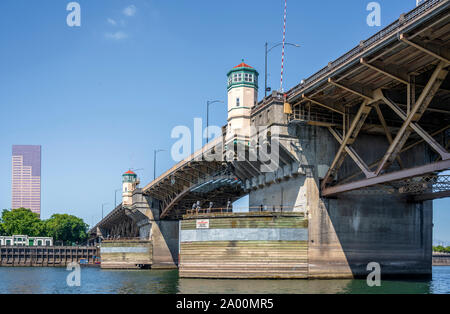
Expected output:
(99, 98)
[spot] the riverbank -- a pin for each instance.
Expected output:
(50, 256)
(441, 259)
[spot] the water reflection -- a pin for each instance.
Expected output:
(205, 286)
(95, 280)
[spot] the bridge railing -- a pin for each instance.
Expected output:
(431, 183)
(312, 113)
(261, 209)
(119, 239)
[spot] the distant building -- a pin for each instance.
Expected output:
(26, 177)
(23, 240)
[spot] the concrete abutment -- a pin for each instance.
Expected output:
(163, 234)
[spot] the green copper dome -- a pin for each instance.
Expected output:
(243, 75)
(129, 176)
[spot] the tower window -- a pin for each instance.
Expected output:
(239, 77)
(248, 77)
(238, 102)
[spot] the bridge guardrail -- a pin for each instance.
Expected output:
(223, 210)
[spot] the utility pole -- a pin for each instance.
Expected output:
(208, 103)
(103, 205)
(115, 197)
(266, 89)
(156, 151)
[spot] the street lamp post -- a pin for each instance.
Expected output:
(103, 205)
(154, 161)
(115, 197)
(267, 52)
(208, 103)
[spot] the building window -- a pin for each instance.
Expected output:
(239, 77)
(238, 102)
(248, 77)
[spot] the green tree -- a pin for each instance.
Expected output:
(22, 221)
(2, 229)
(66, 228)
(441, 249)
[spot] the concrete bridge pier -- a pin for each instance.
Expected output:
(162, 233)
(353, 229)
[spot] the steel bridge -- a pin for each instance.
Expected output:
(393, 84)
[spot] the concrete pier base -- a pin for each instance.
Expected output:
(163, 234)
(126, 254)
(350, 231)
(346, 235)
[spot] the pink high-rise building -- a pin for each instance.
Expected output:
(26, 177)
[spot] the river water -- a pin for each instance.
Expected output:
(94, 280)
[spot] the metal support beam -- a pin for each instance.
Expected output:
(351, 90)
(431, 196)
(322, 105)
(385, 178)
(381, 70)
(386, 130)
(418, 129)
(411, 93)
(417, 110)
(428, 50)
(351, 152)
(350, 137)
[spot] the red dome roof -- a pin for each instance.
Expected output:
(243, 65)
(129, 172)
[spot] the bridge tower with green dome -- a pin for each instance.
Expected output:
(242, 97)
(129, 184)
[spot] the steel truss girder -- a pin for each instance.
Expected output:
(352, 153)
(385, 178)
(349, 139)
(340, 111)
(418, 129)
(431, 196)
(386, 130)
(402, 151)
(397, 144)
(432, 50)
(382, 69)
(415, 114)
(351, 90)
